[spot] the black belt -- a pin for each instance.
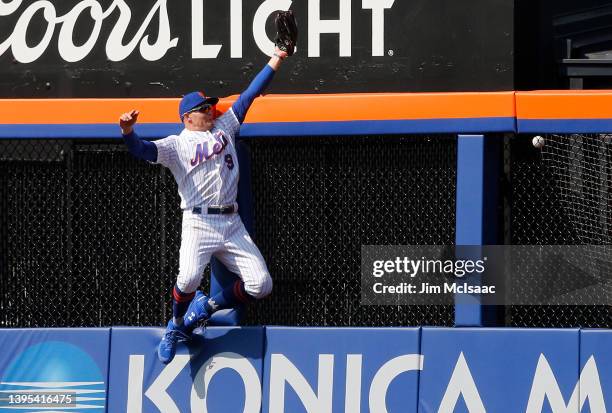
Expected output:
(220, 210)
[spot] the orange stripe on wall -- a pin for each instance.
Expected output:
(271, 108)
(564, 104)
(67, 111)
(371, 106)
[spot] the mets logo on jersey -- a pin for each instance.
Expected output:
(206, 150)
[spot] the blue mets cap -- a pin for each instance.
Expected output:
(194, 99)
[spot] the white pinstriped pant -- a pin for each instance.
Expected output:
(226, 238)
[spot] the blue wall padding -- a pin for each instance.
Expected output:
(469, 212)
(225, 392)
(385, 369)
(564, 125)
(596, 346)
(374, 347)
(376, 127)
(94, 131)
(502, 363)
(382, 127)
(477, 201)
(70, 361)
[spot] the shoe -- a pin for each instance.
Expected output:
(196, 312)
(167, 346)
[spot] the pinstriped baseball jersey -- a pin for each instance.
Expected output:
(204, 164)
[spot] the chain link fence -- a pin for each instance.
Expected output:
(90, 237)
(317, 200)
(542, 211)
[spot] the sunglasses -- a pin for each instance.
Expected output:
(205, 108)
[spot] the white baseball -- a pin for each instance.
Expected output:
(538, 142)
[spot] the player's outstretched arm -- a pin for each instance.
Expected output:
(285, 45)
(140, 149)
(258, 85)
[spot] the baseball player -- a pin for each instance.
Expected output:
(203, 161)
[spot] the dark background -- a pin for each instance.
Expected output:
(438, 45)
(540, 29)
(90, 236)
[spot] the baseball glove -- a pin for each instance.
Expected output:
(286, 32)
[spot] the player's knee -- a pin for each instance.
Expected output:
(266, 288)
(188, 283)
(260, 289)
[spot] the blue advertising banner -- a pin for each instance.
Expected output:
(499, 370)
(283, 369)
(218, 371)
(348, 370)
(595, 372)
(59, 370)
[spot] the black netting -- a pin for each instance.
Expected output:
(89, 236)
(545, 211)
(317, 200)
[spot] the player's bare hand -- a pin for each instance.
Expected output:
(281, 54)
(127, 121)
(277, 58)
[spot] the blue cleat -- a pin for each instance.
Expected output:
(196, 312)
(167, 346)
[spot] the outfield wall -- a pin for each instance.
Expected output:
(283, 369)
(472, 128)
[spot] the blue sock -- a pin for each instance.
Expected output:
(229, 297)
(180, 302)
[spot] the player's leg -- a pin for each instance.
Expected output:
(198, 240)
(241, 256)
